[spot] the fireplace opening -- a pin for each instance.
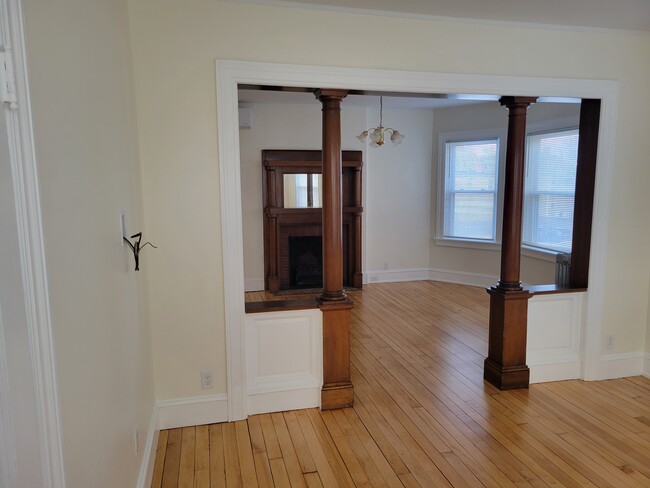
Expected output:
(305, 262)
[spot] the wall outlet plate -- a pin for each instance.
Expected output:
(207, 380)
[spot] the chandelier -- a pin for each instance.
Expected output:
(378, 135)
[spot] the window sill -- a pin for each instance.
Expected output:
(539, 253)
(468, 244)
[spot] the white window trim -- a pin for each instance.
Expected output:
(546, 127)
(470, 135)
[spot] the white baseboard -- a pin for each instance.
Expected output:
(184, 412)
(279, 401)
(620, 365)
(253, 284)
(646, 365)
(149, 451)
(462, 277)
(396, 275)
(557, 371)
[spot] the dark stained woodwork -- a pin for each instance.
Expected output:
(337, 390)
(280, 223)
(332, 195)
(584, 194)
(505, 367)
(281, 305)
(513, 192)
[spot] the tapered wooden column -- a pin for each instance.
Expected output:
(505, 366)
(337, 389)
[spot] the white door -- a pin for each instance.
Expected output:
(20, 463)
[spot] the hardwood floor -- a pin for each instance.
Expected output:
(423, 417)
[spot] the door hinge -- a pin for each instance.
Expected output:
(7, 80)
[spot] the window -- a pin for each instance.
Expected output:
(551, 160)
(470, 189)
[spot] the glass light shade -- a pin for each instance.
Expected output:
(363, 137)
(377, 136)
(396, 137)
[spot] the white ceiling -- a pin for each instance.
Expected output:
(611, 14)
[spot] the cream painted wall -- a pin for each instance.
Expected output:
(281, 126)
(175, 45)
(480, 117)
(82, 95)
(398, 191)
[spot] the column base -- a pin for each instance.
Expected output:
(337, 395)
(506, 377)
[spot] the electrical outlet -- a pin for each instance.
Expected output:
(207, 380)
(385, 265)
(609, 341)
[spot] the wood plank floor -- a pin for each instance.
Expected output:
(423, 417)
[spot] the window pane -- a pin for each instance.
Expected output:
(550, 187)
(474, 165)
(473, 216)
(470, 189)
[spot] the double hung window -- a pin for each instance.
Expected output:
(471, 189)
(551, 160)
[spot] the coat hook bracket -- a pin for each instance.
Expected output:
(136, 247)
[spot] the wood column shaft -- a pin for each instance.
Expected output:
(505, 367)
(514, 192)
(332, 200)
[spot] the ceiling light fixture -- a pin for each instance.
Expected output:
(377, 135)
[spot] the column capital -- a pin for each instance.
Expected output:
(324, 94)
(510, 101)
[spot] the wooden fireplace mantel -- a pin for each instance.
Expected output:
(281, 223)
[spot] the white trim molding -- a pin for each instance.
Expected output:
(396, 275)
(229, 74)
(462, 277)
(646, 365)
(149, 452)
(184, 412)
(553, 343)
(32, 250)
(620, 365)
(284, 369)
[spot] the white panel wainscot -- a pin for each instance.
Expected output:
(553, 344)
(284, 360)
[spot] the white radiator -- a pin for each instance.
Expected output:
(562, 268)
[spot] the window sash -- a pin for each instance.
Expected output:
(551, 161)
(471, 196)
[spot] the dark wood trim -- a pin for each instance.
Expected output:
(552, 289)
(281, 223)
(281, 305)
(505, 367)
(513, 192)
(337, 390)
(584, 194)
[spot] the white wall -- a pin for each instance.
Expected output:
(80, 70)
(179, 151)
(480, 117)
(397, 195)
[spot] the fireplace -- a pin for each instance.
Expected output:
(293, 224)
(305, 262)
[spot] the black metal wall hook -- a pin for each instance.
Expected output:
(136, 247)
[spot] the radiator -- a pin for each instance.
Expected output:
(562, 268)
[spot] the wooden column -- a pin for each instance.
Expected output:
(583, 208)
(505, 366)
(357, 279)
(337, 389)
